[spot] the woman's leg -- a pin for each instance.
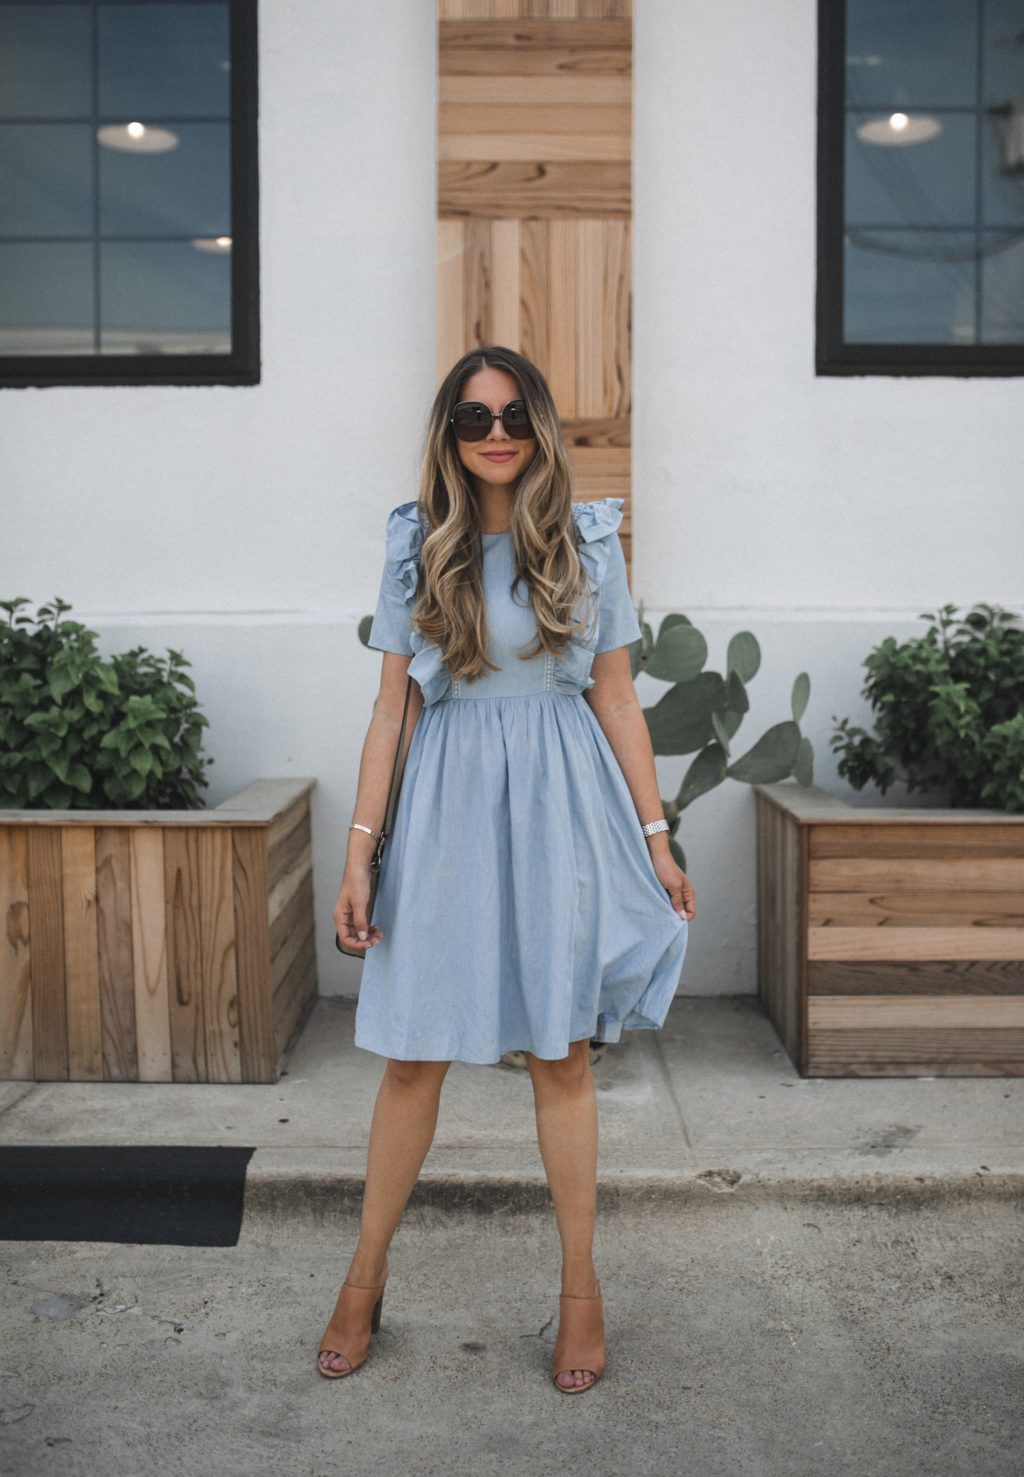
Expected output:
(565, 1103)
(401, 1132)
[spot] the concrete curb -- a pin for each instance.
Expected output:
(272, 1194)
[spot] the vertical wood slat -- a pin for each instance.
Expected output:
(252, 940)
(46, 932)
(16, 1034)
(184, 955)
(149, 955)
(217, 936)
(81, 954)
(114, 935)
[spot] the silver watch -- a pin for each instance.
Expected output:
(654, 826)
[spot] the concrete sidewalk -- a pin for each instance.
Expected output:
(709, 1105)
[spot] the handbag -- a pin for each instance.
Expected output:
(397, 770)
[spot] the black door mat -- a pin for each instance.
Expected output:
(175, 1195)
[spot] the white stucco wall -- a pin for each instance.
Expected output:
(245, 525)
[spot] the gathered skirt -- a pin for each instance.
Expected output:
(517, 895)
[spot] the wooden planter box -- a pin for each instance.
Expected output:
(891, 942)
(157, 945)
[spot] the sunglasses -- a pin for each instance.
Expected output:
(472, 421)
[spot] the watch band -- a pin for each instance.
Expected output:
(654, 826)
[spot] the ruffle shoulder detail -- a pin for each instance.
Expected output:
(403, 539)
(597, 520)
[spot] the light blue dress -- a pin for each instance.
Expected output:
(517, 895)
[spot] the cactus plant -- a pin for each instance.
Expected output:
(702, 711)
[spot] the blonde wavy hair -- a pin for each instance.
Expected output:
(450, 609)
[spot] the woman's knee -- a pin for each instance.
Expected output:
(567, 1071)
(415, 1073)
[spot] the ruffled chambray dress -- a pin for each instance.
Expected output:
(517, 895)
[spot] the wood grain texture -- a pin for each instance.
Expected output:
(81, 954)
(149, 956)
(913, 949)
(781, 865)
(16, 1044)
(143, 952)
(534, 139)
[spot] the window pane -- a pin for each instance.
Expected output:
(163, 61)
(185, 190)
(909, 53)
(45, 179)
(928, 181)
(1003, 179)
(46, 297)
(1003, 56)
(165, 297)
(41, 51)
(910, 287)
(1002, 291)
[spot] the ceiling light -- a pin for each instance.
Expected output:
(899, 128)
(137, 138)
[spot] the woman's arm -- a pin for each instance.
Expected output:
(616, 707)
(375, 766)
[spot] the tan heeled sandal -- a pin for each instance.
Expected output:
(580, 1341)
(355, 1304)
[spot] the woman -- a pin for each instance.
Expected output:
(527, 896)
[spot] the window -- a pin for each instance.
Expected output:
(128, 193)
(921, 187)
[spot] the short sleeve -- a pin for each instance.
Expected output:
(617, 621)
(391, 628)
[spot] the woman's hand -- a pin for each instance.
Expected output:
(350, 909)
(675, 882)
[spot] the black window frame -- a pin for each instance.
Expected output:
(242, 365)
(832, 355)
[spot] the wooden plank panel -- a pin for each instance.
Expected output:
(917, 909)
(915, 943)
(533, 61)
(780, 862)
(561, 370)
(592, 330)
(535, 291)
(533, 146)
(913, 1052)
(943, 874)
(615, 313)
(451, 301)
(505, 257)
(927, 977)
(476, 283)
(184, 955)
(507, 46)
(16, 1057)
(573, 89)
(252, 937)
(149, 957)
(295, 992)
(220, 976)
(556, 119)
(927, 838)
(114, 937)
(81, 954)
(46, 929)
(946, 1012)
(290, 927)
(604, 432)
(534, 189)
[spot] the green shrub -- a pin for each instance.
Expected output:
(81, 732)
(949, 712)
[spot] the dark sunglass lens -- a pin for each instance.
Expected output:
(472, 421)
(516, 420)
